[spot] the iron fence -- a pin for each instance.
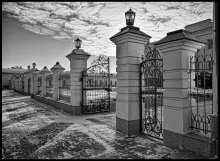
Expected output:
(39, 85)
(200, 93)
(49, 85)
(64, 88)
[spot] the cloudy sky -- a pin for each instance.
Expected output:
(43, 32)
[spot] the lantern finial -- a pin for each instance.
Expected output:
(130, 16)
(78, 43)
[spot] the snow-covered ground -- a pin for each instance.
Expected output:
(33, 130)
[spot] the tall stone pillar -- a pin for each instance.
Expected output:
(78, 62)
(35, 81)
(44, 73)
(26, 80)
(130, 42)
(56, 69)
(32, 77)
(176, 47)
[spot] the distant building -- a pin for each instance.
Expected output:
(8, 73)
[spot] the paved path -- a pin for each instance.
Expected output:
(31, 129)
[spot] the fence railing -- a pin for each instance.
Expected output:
(64, 88)
(49, 85)
(201, 95)
(39, 85)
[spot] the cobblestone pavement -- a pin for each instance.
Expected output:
(33, 130)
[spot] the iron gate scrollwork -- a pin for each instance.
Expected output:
(96, 87)
(151, 92)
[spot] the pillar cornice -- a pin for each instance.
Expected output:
(57, 68)
(132, 34)
(78, 54)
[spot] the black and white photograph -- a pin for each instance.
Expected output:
(109, 80)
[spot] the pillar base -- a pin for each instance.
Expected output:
(128, 128)
(202, 145)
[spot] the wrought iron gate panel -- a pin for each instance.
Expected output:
(151, 93)
(96, 87)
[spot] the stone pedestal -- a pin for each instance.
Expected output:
(176, 47)
(130, 42)
(78, 62)
(44, 73)
(56, 69)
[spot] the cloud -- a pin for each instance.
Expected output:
(96, 22)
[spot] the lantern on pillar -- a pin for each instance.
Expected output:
(78, 43)
(34, 65)
(129, 16)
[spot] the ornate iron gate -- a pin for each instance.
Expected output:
(96, 87)
(151, 93)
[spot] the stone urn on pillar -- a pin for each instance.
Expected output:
(130, 43)
(56, 69)
(78, 62)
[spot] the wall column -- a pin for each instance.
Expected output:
(78, 62)
(35, 83)
(56, 69)
(32, 77)
(44, 73)
(130, 43)
(176, 62)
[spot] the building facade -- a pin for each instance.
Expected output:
(8, 73)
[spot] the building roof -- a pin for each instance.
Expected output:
(200, 22)
(177, 35)
(8, 70)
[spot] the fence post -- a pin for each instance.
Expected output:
(35, 79)
(176, 108)
(78, 62)
(130, 42)
(26, 80)
(56, 69)
(32, 77)
(44, 73)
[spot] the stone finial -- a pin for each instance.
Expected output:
(57, 67)
(44, 71)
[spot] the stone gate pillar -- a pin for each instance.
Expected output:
(78, 62)
(130, 42)
(176, 47)
(26, 80)
(56, 69)
(32, 77)
(44, 73)
(35, 79)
